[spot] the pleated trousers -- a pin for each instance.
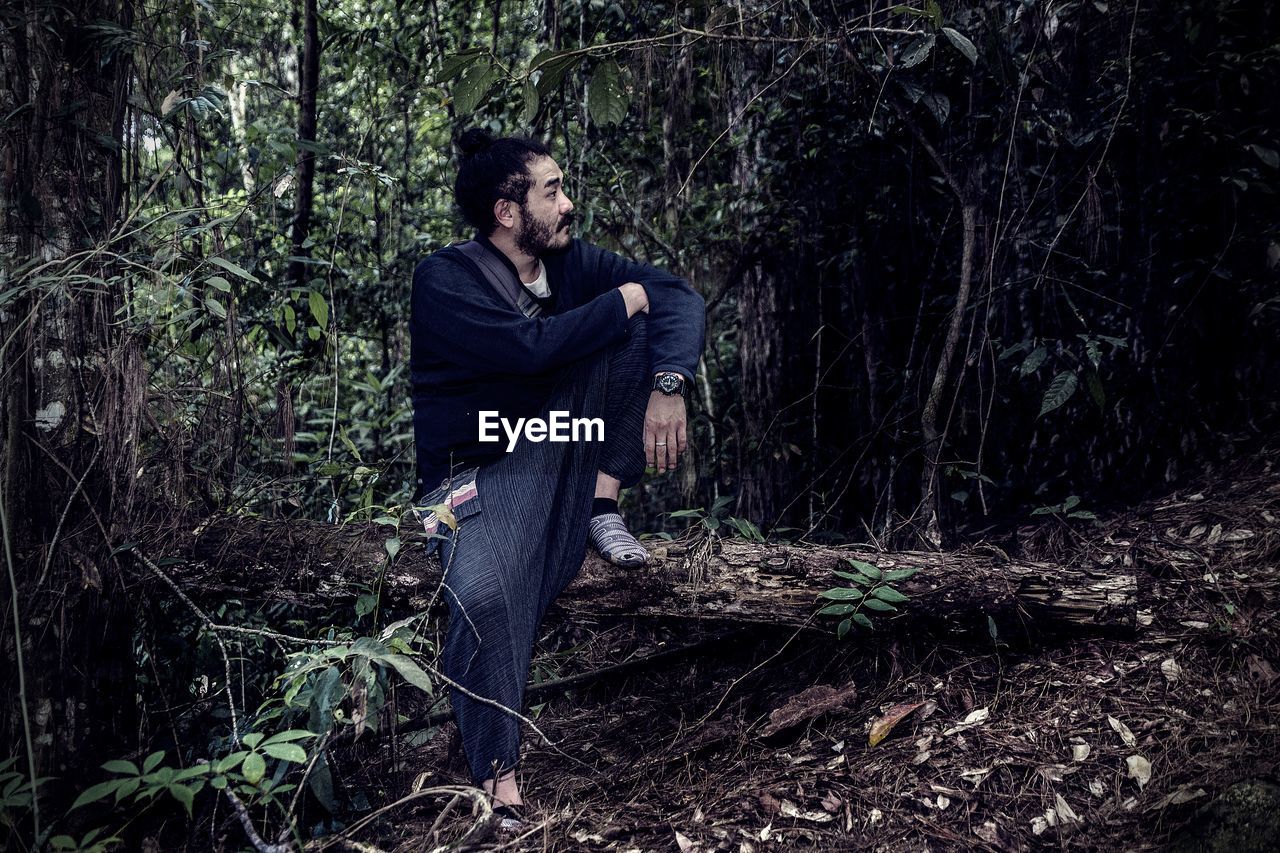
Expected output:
(522, 538)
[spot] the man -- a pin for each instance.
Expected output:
(520, 324)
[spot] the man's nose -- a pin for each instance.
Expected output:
(566, 205)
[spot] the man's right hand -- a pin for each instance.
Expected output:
(635, 297)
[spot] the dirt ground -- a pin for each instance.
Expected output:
(1022, 741)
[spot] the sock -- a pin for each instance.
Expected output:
(609, 534)
(602, 505)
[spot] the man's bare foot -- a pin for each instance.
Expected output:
(506, 792)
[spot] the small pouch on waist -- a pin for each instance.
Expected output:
(456, 496)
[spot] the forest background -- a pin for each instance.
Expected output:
(964, 264)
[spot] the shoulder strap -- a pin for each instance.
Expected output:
(498, 276)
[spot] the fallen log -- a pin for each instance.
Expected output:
(314, 565)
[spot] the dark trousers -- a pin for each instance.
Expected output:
(522, 539)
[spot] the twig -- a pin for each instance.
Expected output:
(302, 786)
(556, 685)
(22, 679)
(480, 798)
(245, 821)
(212, 627)
(734, 121)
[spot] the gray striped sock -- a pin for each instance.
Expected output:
(615, 543)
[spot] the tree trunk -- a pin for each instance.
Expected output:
(74, 385)
(317, 565)
(309, 78)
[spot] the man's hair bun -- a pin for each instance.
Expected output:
(474, 141)
(490, 169)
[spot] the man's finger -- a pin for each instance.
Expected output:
(682, 443)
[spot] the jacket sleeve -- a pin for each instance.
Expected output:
(677, 312)
(463, 321)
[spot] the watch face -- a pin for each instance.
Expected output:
(668, 384)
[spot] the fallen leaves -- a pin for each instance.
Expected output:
(1139, 769)
(976, 717)
(1121, 729)
(880, 728)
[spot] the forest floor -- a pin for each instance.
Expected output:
(1081, 743)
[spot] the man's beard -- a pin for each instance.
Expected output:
(535, 237)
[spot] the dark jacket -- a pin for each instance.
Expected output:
(472, 351)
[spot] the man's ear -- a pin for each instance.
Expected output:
(504, 213)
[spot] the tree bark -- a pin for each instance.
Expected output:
(306, 161)
(317, 565)
(74, 379)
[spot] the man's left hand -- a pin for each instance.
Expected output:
(664, 431)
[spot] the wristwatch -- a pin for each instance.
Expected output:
(671, 384)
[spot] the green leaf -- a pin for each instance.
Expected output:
(290, 319)
(230, 762)
(289, 736)
(841, 594)
(319, 308)
(365, 604)
(961, 43)
(877, 604)
(1060, 390)
(1033, 361)
(127, 787)
(63, 842)
(938, 104)
(861, 619)
(254, 768)
(1094, 384)
(531, 102)
(1071, 502)
(473, 86)
(215, 307)
(286, 752)
(119, 765)
(607, 99)
(183, 794)
(553, 67)
(889, 594)
(252, 739)
(393, 546)
(1266, 155)
(1093, 351)
(219, 282)
(234, 269)
(97, 792)
(455, 64)
(843, 629)
(411, 673)
(1082, 513)
(152, 761)
(866, 568)
(900, 574)
(837, 610)
(917, 51)
(850, 576)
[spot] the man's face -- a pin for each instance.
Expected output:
(545, 218)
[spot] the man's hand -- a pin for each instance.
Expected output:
(636, 298)
(664, 431)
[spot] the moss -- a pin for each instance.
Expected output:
(1244, 819)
